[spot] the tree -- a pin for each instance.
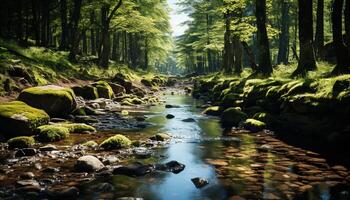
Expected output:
(264, 58)
(74, 33)
(106, 18)
(284, 35)
(319, 36)
(228, 58)
(342, 54)
(347, 24)
(64, 25)
(307, 61)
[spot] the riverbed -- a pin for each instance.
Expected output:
(237, 164)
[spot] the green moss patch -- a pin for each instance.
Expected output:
(232, 117)
(115, 142)
(20, 119)
(90, 144)
(78, 128)
(52, 133)
(213, 111)
(55, 100)
(21, 142)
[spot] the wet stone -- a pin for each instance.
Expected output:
(29, 182)
(48, 147)
(27, 175)
(68, 193)
(26, 152)
(189, 120)
(88, 164)
(50, 170)
(134, 170)
(172, 166)
(170, 116)
(200, 182)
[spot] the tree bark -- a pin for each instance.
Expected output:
(319, 36)
(237, 46)
(264, 58)
(115, 48)
(284, 36)
(84, 40)
(92, 33)
(74, 40)
(307, 61)
(347, 25)
(250, 55)
(228, 57)
(342, 55)
(64, 25)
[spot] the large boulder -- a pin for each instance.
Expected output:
(104, 90)
(123, 81)
(55, 100)
(19, 119)
(87, 92)
(232, 117)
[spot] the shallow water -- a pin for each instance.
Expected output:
(253, 166)
(238, 164)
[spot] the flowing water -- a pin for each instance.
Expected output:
(237, 164)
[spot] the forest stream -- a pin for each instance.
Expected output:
(232, 164)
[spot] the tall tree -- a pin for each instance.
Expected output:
(284, 35)
(64, 25)
(347, 24)
(307, 61)
(343, 59)
(319, 36)
(106, 18)
(74, 33)
(228, 58)
(264, 58)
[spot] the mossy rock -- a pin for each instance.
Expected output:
(20, 119)
(52, 133)
(147, 82)
(21, 142)
(254, 125)
(117, 89)
(267, 118)
(213, 111)
(229, 100)
(55, 100)
(232, 117)
(90, 144)
(161, 137)
(116, 142)
(78, 128)
(87, 92)
(104, 90)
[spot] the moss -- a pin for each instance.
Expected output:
(90, 144)
(55, 100)
(52, 133)
(17, 118)
(115, 142)
(213, 110)
(232, 117)
(104, 90)
(21, 142)
(78, 128)
(254, 125)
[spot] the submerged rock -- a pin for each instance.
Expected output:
(19, 119)
(88, 164)
(161, 137)
(172, 166)
(170, 116)
(189, 120)
(68, 193)
(29, 182)
(200, 182)
(55, 100)
(136, 169)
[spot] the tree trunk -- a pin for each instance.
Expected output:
(35, 21)
(264, 58)
(84, 40)
(20, 21)
(74, 40)
(342, 55)
(284, 36)
(347, 24)
(228, 51)
(105, 43)
(307, 60)
(250, 55)
(237, 46)
(319, 36)
(64, 26)
(115, 48)
(146, 53)
(92, 33)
